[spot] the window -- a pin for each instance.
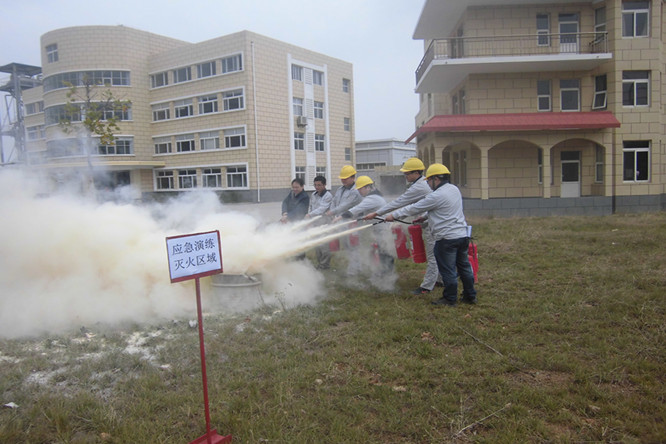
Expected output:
(123, 112)
(635, 88)
(209, 140)
(346, 124)
(52, 53)
(53, 115)
(570, 95)
(232, 64)
(298, 106)
(599, 23)
(599, 92)
(161, 112)
(461, 100)
(320, 142)
(636, 160)
(346, 85)
(36, 132)
(317, 77)
(319, 110)
(206, 69)
(539, 166)
(300, 172)
(543, 29)
(234, 138)
(635, 18)
(184, 143)
(159, 79)
(347, 154)
(236, 177)
(297, 72)
(543, 95)
(83, 78)
(455, 107)
(599, 164)
(320, 171)
(212, 177)
(207, 104)
(121, 147)
(299, 141)
(187, 179)
(164, 180)
(162, 145)
(182, 75)
(233, 100)
(183, 108)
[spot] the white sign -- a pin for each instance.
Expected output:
(194, 255)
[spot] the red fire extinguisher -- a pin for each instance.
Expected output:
(400, 242)
(472, 255)
(418, 249)
(353, 238)
(375, 253)
(334, 245)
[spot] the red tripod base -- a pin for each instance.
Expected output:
(212, 438)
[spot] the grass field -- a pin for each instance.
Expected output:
(566, 345)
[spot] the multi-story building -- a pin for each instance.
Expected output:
(545, 107)
(381, 160)
(241, 114)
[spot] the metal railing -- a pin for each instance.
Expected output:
(514, 45)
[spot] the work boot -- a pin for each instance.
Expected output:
(420, 290)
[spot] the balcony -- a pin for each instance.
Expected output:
(448, 61)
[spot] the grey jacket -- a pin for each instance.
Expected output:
(414, 192)
(344, 199)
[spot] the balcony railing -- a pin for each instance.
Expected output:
(514, 45)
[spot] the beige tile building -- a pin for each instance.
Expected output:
(545, 107)
(241, 114)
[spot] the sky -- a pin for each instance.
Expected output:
(374, 35)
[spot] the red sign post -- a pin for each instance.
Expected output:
(193, 256)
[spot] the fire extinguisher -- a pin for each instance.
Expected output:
(375, 253)
(400, 242)
(418, 249)
(472, 255)
(334, 245)
(354, 238)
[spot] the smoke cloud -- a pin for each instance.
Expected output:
(69, 262)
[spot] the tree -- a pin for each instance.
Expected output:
(92, 113)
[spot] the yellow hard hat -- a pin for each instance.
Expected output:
(347, 171)
(362, 181)
(412, 164)
(437, 169)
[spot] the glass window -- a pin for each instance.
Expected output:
(160, 79)
(52, 53)
(236, 177)
(298, 106)
(320, 142)
(209, 140)
(635, 18)
(346, 123)
(206, 69)
(300, 172)
(346, 85)
(233, 100)
(317, 77)
(161, 112)
(539, 166)
(207, 104)
(234, 138)
(543, 95)
(599, 164)
(319, 110)
(635, 88)
(212, 177)
(184, 143)
(543, 29)
(182, 75)
(599, 92)
(299, 141)
(232, 63)
(636, 160)
(187, 179)
(120, 147)
(162, 145)
(599, 22)
(164, 180)
(183, 108)
(297, 72)
(570, 95)
(348, 155)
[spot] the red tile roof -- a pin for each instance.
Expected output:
(518, 122)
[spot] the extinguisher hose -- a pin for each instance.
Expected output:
(380, 220)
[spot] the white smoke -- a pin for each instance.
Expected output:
(69, 262)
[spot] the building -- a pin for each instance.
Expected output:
(545, 107)
(381, 160)
(241, 114)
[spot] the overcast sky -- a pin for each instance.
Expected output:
(374, 35)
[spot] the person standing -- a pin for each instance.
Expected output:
(445, 215)
(295, 205)
(417, 188)
(344, 198)
(320, 202)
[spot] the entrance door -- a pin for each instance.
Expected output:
(568, 33)
(570, 174)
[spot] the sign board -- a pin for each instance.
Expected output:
(194, 255)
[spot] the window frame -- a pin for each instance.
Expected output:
(299, 141)
(162, 142)
(187, 179)
(231, 134)
(317, 77)
(51, 53)
(163, 78)
(541, 95)
(208, 137)
(296, 72)
(640, 148)
(160, 176)
(346, 85)
(183, 108)
(600, 91)
(215, 174)
(634, 13)
(346, 123)
(185, 71)
(318, 110)
(297, 106)
(185, 140)
(234, 96)
(206, 69)
(543, 34)
(233, 172)
(320, 142)
(635, 81)
(568, 89)
(208, 101)
(161, 110)
(232, 63)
